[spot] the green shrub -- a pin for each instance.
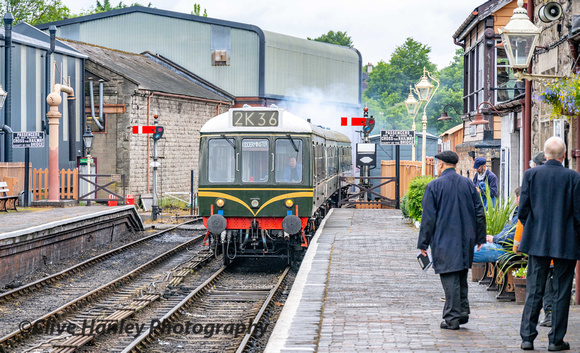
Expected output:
(414, 196)
(403, 206)
(496, 217)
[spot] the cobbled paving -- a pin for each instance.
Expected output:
(379, 300)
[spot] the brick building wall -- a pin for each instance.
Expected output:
(119, 151)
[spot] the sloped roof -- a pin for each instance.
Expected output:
(144, 72)
(452, 130)
(25, 34)
(480, 13)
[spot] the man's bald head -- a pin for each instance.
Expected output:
(554, 148)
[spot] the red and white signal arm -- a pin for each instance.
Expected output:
(144, 129)
(344, 121)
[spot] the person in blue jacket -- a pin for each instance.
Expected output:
(481, 176)
(293, 171)
(452, 223)
(493, 250)
(550, 213)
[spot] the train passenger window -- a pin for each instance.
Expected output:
(221, 161)
(288, 161)
(255, 160)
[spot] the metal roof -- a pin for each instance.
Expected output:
(287, 123)
(254, 69)
(145, 72)
(25, 34)
(480, 13)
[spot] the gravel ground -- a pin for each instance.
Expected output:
(47, 299)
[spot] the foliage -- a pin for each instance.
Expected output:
(35, 11)
(403, 206)
(106, 6)
(498, 215)
(521, 272)
(415, 194)
(388, 87)
(563, 95)
(197, 10)
(338, 38)
(172, 203)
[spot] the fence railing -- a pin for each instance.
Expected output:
(69, 184)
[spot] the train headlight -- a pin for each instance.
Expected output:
(289, 203)
(220, 203)
(255, 203)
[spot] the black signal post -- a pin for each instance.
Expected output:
(155, 210)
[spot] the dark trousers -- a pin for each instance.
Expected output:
(563, 274)
(548, 294)
(456, 302)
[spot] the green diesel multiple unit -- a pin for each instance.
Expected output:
(266, 179)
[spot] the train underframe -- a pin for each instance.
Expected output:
(270, 237)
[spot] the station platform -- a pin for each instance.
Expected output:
(360, 289)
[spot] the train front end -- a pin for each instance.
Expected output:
(255, 187)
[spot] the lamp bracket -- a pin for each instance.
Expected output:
(519, 75)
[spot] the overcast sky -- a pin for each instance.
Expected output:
(376, 27)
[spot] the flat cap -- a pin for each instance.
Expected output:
(539, 158)
(479, 161)
(448, 157)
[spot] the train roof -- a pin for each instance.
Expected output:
(288, 123)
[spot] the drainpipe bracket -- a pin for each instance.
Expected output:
(575, 153)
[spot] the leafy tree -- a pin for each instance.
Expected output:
(388, 87)
(197, 10)
(35, 11)
(338, 38)
(106, 6)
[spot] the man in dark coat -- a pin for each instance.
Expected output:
(452, 223)
(550, 213)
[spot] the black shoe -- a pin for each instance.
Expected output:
(527, 346)
(547, 322)
(561, 347)
(449, 326)
(463, 319)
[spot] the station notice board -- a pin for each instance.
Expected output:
(397, 137)
(32, 139)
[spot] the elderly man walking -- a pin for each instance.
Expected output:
(452, 223)
(550, 212)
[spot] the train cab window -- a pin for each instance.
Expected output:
(255, 160)
(288, 161)
(221, 161)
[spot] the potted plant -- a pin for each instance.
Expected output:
(563, 95)
(520, 284)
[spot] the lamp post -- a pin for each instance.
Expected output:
(425, 91)
(412, 108)
(88, 142)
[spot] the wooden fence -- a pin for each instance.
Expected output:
(69, 184)
(408, 170)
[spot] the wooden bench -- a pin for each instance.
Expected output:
(6, 200)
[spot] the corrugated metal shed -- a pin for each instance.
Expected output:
(294, 64)
(256, 63)
(28, 93)
(146, 73)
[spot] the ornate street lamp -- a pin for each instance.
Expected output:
(425, 90)
(412, 105)
(88, 140)
(520, 38)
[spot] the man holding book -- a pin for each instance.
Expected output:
(452, 223)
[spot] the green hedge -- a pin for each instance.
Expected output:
(414, 196)
(404, 207)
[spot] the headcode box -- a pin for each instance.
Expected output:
(397, 137)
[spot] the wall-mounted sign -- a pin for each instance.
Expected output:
(32, 139)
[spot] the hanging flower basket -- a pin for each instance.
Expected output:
(563, 95)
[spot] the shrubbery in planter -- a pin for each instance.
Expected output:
(403, 206)
(415, 194)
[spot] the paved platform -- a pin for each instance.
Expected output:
(360, 289)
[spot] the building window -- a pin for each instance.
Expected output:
(507, 87)
(220, 45)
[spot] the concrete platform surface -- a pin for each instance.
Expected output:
(360, 289)
(33, 217)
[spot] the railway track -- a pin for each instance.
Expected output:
(26, 295)
(220, 315)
